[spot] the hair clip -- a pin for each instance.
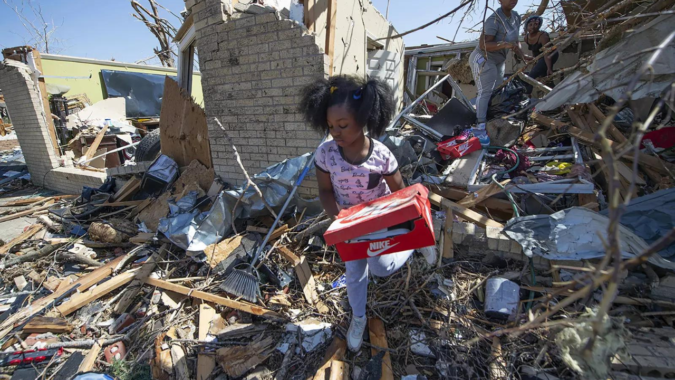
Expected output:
(357, 94)
(332, 89)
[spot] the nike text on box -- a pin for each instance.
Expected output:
(397, 222)
(455, 148)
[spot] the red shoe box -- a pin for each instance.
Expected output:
(455, 148)
(407, 205)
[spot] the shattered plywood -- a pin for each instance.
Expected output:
(194, 173)
(183, 131)
(238, 360)
(159, 208)
(215, 253)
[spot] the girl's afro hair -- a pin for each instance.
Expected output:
(370, 101)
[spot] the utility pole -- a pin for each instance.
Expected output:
(386, 15)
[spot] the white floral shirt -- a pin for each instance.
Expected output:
(357, 182)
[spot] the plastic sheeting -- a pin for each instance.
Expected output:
(194, 231)
(275, 183)
(651, 217)
(614, 67)
(143, 92)
(573, 234)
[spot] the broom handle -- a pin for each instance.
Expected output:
(281, 212)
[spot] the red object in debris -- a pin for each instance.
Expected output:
(115, 351)
(456, 148)
(661, 138)
(407, 210)
(121, 322)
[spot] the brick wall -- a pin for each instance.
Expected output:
(25, 109)
(253, 67)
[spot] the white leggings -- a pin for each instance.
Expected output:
(357, 276)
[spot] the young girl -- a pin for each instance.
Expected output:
(353, 168)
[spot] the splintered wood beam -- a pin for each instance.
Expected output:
(78, 300)
(81, 285)
(136, 284)
(378, 337)
(32, 230)
(89, 361)
(205, 363)
(335, 352)
(304, 273)
(241, 306)
(464, 212)
(94, 145)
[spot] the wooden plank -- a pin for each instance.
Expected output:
(179, 360)
(215, 253)
(613, 130)
(472, 199)
(340, 370)
(589, 201)
(464, 212)
(90, 360)
(205, 363)
(455, 194)
(45, 104)
(24, 213)
(91, 151)
(127, 189)
(448, 245)
(331, 22)
(627, 174)
(78, 300)
(378, 337)
(42, 325)
(304, 273)
(335, 351)
(278, 232)
(134, 288)
(242, 306)
(32, 230)
(184, 133)
(458, 173)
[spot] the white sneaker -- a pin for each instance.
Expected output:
(355, 333)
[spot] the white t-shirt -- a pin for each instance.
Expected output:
(357, 182)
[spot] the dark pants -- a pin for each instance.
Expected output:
(539, 70)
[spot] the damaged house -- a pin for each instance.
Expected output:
(186, 253)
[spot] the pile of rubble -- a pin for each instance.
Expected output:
(551, 258)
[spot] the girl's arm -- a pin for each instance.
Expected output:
(326, 194)
(545, 39)
(394, 181)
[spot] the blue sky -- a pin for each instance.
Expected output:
(105, 29)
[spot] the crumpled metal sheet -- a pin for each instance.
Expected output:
(614, 67)
(651, 217)
(573, 234)
(275, 183)
(194, 231)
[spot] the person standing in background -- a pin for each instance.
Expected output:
(535, 40)
(500, 34)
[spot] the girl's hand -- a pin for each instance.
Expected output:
(549, 72)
